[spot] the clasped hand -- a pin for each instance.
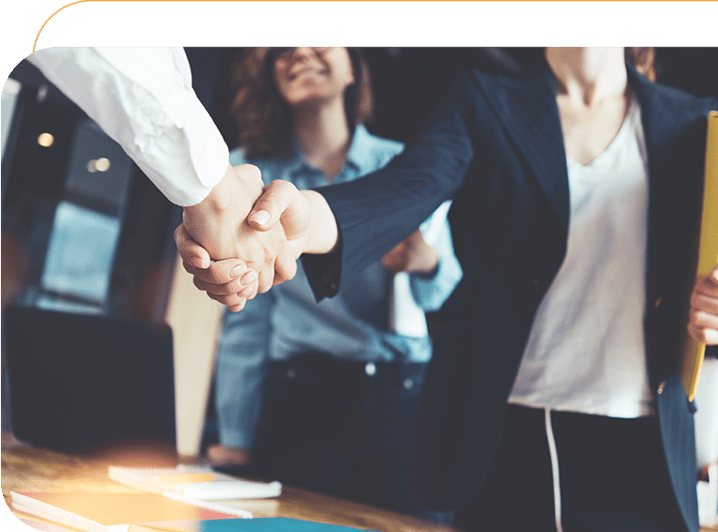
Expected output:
(271, 235)
(234, 247)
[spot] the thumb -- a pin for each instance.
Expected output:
(270, 206)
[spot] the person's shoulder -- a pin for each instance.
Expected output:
(671, 97)
(684, 98)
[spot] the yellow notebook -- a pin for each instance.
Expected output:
(708, 251)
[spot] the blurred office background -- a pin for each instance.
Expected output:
(84, 232)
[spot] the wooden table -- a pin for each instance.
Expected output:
(25, 468)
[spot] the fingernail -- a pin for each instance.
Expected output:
(249, 277)
(260, 217)
(237, 271)
(198, 263)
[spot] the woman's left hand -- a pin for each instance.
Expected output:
(703, 322)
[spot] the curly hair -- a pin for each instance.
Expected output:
(262, 116)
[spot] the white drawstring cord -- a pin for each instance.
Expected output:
(554, 470)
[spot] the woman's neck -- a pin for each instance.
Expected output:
(587, 76)
(592, 97)
(323, 136)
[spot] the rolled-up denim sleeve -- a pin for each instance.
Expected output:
(430, 292)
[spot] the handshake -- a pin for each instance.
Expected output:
(244, 238)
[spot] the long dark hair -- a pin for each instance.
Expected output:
(644, 60)
(264, 118)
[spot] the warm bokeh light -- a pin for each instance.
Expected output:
(45, 139)
(98, 165)
(102, 164)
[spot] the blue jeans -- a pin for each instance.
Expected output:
(342, 428)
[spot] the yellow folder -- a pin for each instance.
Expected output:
(708, 251)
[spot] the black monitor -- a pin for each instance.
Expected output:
(85, 382)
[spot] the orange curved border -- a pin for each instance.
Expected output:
(37, 37)
(414, 1)
(34, 44)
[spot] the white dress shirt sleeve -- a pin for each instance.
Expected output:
(143, 99)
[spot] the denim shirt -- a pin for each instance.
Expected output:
(287, 321)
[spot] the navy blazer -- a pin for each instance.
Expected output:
(495, 146)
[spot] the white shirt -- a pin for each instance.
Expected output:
(586, 350)
(143, 99)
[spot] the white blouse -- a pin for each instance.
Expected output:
(586, 350)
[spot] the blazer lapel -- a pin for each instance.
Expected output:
(664, 122)
(526, 105)
(657, 140)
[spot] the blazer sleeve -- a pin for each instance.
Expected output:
(378, 211)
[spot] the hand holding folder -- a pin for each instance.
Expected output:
(708, 251)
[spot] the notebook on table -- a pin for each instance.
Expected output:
(261, 524)
(111, 512)
(193, 482)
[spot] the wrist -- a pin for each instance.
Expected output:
(322, 232)
(229, 189)
(215, 221)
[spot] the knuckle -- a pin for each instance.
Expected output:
(189, 268)
(253, 170)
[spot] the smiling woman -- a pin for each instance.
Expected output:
(262, 115)
(326, 396)
(308, 77)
